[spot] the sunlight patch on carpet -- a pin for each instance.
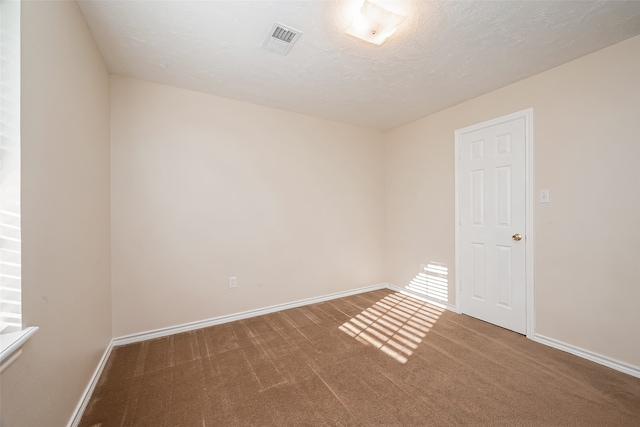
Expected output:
(395, 325)
(431, 281)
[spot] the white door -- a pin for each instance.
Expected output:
(492, 218)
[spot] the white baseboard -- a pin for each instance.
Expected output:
(416, 295)
(589, 355)
(186, 327)
(585, 354)
(86, 396)
(157, 333)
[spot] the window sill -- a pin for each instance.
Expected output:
(11, 345)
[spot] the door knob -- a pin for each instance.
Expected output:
(516, 237)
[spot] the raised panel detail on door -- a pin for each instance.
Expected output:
(477, 197)
(477, 149)
(478, 271)
(503, 144)
(503, 194)
(505, 281)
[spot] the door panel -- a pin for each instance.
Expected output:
(491, 205)
(478, 271)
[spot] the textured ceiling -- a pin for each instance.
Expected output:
(445, 52)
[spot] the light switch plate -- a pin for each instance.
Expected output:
(543, 196)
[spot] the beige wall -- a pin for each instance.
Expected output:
(65, 216)
(587, 146)
(204, 188)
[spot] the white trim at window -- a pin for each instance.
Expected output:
(11, 345)
(12, 334)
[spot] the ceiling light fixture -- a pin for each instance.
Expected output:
(374, 23)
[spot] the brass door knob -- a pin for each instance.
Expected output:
(516, 237)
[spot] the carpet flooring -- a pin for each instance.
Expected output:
(373, 359)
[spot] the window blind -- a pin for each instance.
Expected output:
(10, 235)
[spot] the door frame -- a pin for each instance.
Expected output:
(529, 210)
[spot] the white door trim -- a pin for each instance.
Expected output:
(529, 209)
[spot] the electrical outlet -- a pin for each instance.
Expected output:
(232, 282)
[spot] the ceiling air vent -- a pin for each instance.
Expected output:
(281, 39)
